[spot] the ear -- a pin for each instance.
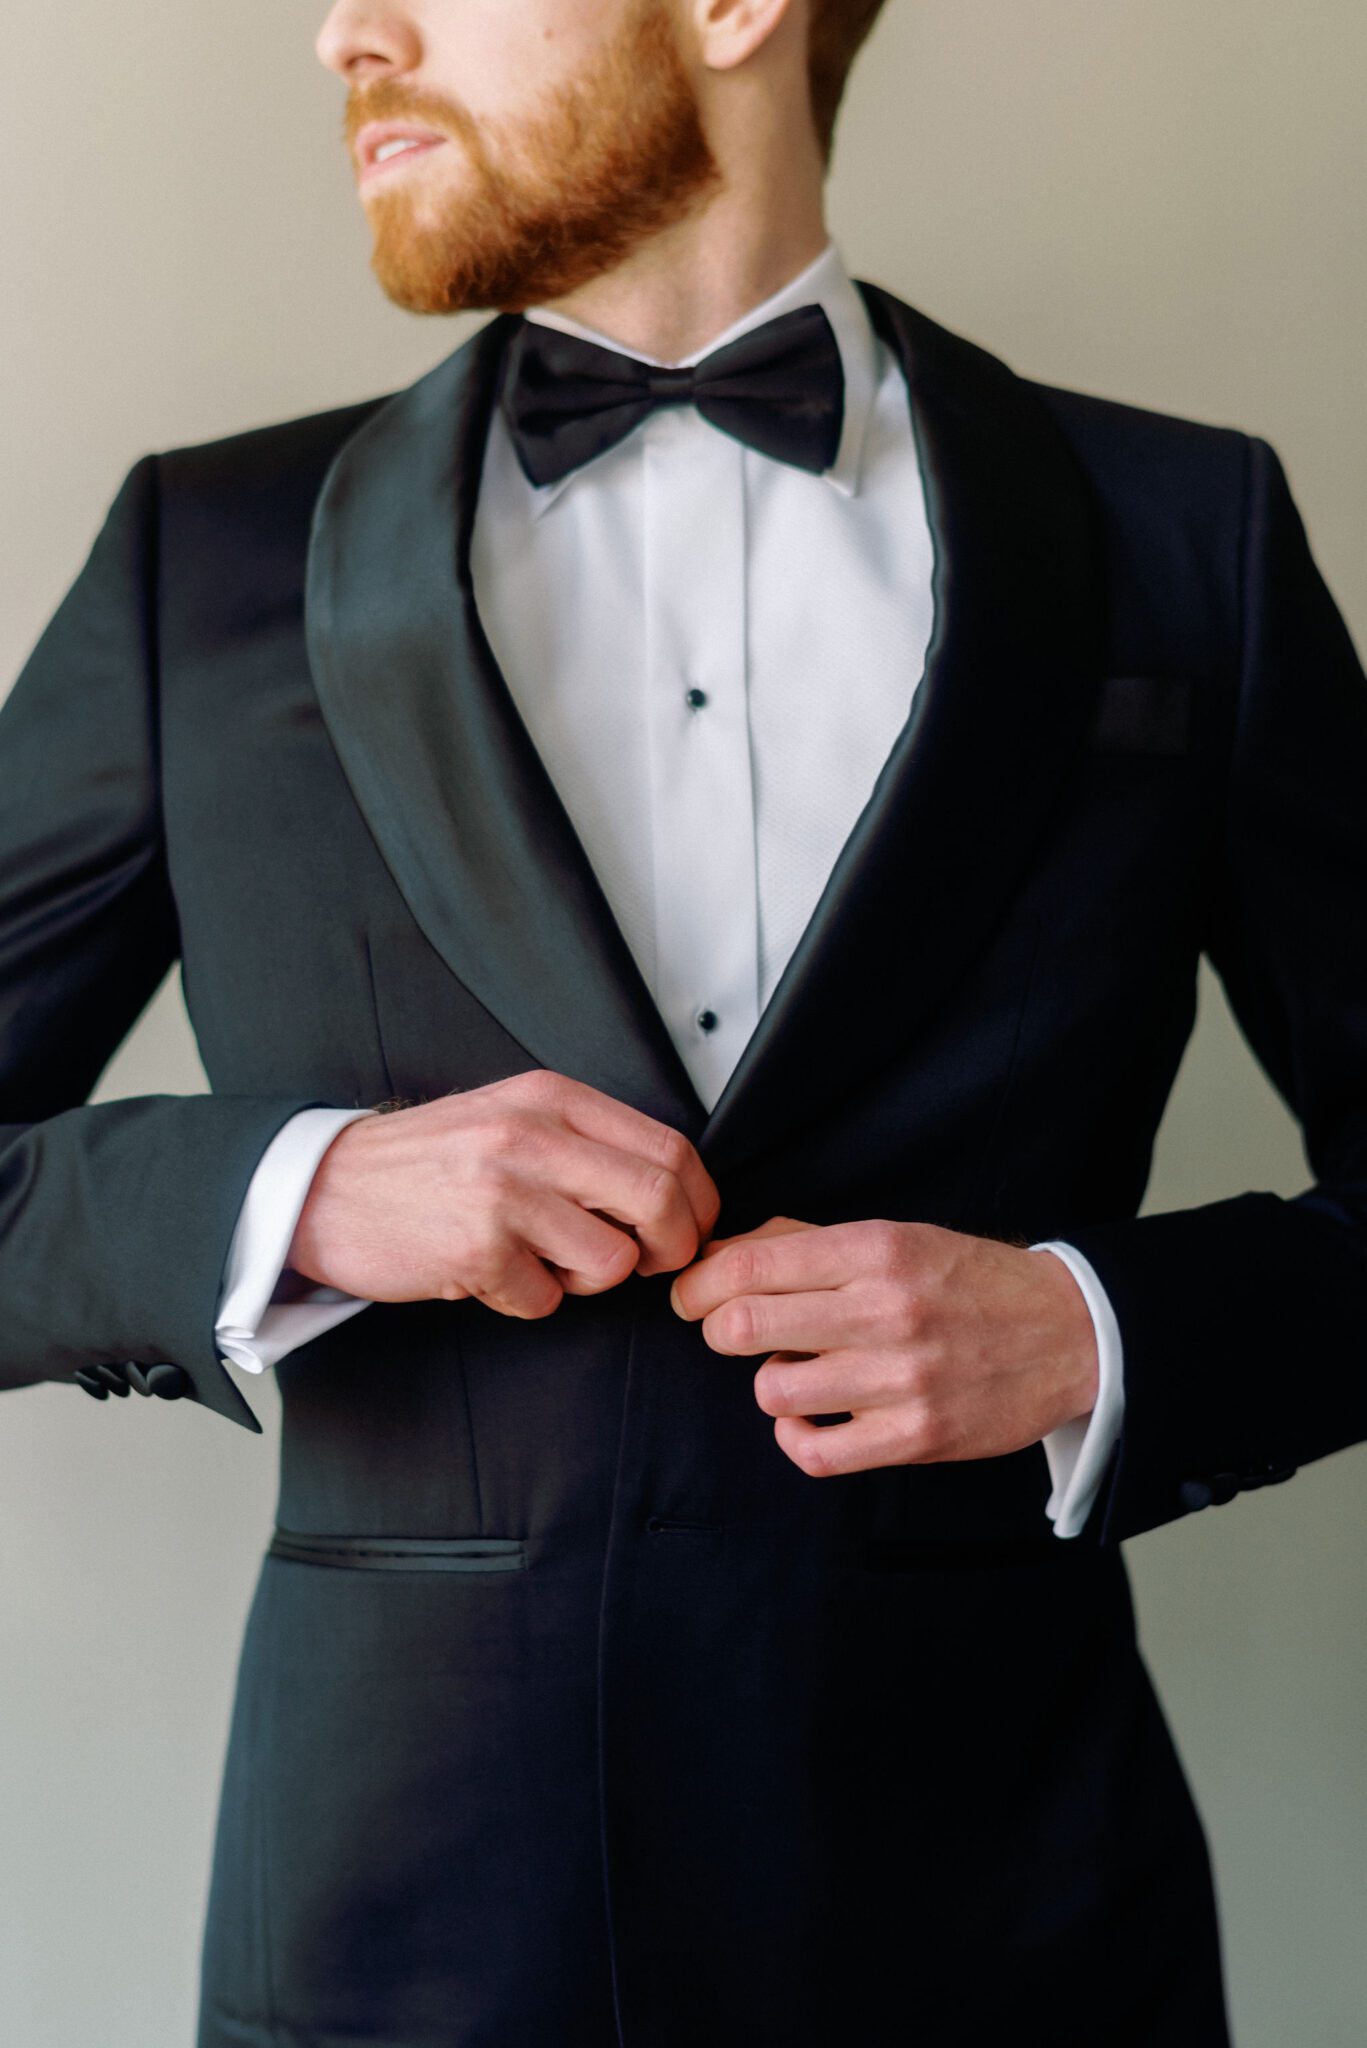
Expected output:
(726, 32)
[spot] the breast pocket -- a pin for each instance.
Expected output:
(1142, 715)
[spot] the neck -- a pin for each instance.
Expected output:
(671, 294)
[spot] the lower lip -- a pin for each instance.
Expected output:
(402, 156)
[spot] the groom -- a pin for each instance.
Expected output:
(689, 832)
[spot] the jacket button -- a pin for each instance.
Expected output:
(1224, 1486)
(85, 1376)
(137, 1378)
(167, 1381)
(112, 1377)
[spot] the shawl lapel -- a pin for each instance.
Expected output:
(483, 851)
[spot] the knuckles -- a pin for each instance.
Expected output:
(893, 1310)
(925, 1438)
(815, 1457)
(674, 1149)
(915, 1376)
(771, 1391)
(733, 1327)
(541, 1086)
(658, 1192)
(617, 1260)
(881, 1246)
(744, 1266)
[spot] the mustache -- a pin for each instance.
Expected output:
(390, 99)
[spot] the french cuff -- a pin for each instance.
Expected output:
(262, 1316)
(1079, 1451)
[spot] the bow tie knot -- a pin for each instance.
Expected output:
(779, 388)
(666, 383)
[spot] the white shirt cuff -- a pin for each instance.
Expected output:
(1078, 1451)
(253, 1330)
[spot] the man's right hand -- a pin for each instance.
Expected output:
(517, 1193)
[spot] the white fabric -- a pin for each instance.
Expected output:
(680, 559)
(1077, 1451)
(265, 1310)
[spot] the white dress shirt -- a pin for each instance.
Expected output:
(713, 732)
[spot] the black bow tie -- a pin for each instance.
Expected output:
(780, 388)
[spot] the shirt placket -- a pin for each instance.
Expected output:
(703, 809)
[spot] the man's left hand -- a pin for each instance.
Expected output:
(938, 1345)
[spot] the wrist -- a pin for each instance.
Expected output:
(309, 1253)
(1080, 1361)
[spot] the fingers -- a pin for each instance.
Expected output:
(815, 1320)
(777, 1226)
(617, 1125)
(831, 1383)
(810, 1256)
(908, 1434)
(586, 1252)
(550, 1247)
(514, 1283)
(645, 1195)
(839, 1446)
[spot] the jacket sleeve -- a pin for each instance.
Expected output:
(1244, 1321)
(115, 1218)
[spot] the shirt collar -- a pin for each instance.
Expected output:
(824, 282)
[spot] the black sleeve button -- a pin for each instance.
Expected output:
(85, 1376)
(113, 1377)
(168, 1381)
(1196, 1494)
(137, 1378)
(1267, 1475)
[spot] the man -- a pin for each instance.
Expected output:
(689, 833)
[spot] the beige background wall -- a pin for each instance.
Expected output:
(1159, 202)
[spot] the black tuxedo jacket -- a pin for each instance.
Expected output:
(571, 1712)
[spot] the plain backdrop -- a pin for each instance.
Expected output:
(1160, 201)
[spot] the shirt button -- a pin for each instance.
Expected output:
(695, 698)
(706, 1019)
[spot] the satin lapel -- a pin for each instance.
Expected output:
(438, 758)
(996, 721)
(481, 847)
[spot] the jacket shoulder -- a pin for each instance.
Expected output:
(1148, 460)
(260, 463)
(1161, 477)
(1170, 501)
(235, 515)
(1168, 497)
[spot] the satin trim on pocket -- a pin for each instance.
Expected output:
(403, 1553)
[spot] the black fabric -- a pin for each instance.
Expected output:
(727, 1754)
(780, 387)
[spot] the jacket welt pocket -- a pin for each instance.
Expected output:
(402, 1553)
